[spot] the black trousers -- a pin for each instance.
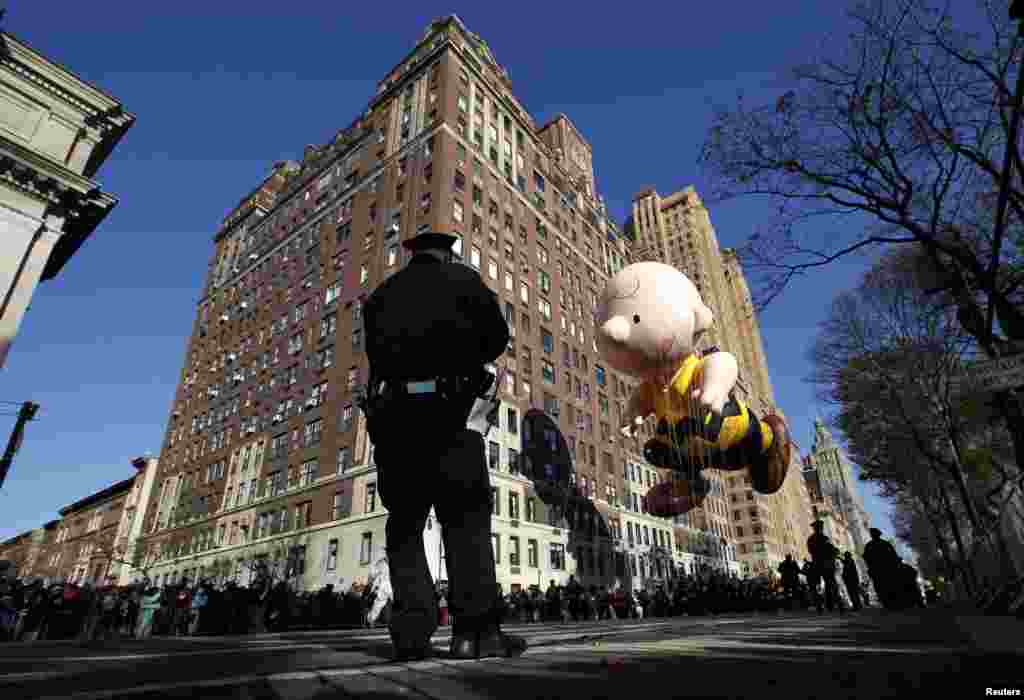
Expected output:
(415, 472)
(853, 590)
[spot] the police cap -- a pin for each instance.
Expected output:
(431, 240)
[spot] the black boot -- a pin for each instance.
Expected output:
(489, 643)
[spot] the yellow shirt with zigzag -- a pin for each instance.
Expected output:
(676, 403)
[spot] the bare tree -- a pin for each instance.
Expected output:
(896, 135)
(885, 358)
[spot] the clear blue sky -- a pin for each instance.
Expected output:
(223, 89)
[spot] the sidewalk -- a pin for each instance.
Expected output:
(989, 634)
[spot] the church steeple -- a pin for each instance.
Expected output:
(822, 436)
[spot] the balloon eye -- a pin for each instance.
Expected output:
(636, 318)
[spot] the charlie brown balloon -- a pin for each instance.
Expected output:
(649, 320)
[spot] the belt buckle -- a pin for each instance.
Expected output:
(428, 387)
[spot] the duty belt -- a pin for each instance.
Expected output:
(432, 385)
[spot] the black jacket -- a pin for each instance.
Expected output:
(431, 319)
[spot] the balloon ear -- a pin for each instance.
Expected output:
(704, 319)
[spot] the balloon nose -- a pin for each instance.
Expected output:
(616, 328)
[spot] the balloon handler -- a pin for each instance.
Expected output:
(649, 320)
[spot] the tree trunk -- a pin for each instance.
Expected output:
(970, 577)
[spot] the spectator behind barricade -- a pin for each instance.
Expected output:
(200, 599)
(150, 604)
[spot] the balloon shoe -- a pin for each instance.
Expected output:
(677, 496)
(768, 471)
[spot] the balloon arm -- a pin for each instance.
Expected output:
(718, 377)
(636, 411)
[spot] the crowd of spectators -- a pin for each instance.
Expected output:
(30, 610)
(709, 592)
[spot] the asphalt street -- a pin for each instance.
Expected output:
(867, 655)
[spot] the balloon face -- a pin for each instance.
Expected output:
(546, 458)
(649, 316)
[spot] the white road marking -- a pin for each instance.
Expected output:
(692, 646)
(440, 644)
(160, 655)
(263, 645)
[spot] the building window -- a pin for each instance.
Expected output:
(544, 279)
(513, 551)
(346, 418)
(366, 548)
(308, 472)
(547, 371)
(513, 505)
(344, 459)
(371, 498)
(392, 258)
(531, 554)
(331, 293)
(512, 416)
(496, 547)
(328, 325)
(493, 455)
(492, 269)
(544, 307)
(513, 461)
(495, 501)
(313, 433)
(547, 341)
(557, 556)
(332, 555)
(336, 507)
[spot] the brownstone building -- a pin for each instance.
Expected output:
(93, 539)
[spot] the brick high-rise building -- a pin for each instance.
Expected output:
(265, 454)
(677, 231)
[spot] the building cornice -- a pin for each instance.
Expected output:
(105, 110)
(106, 494)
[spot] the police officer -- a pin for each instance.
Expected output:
(430, 331)
(823, 555)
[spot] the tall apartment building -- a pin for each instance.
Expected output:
(266, 456)
(677, 231)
